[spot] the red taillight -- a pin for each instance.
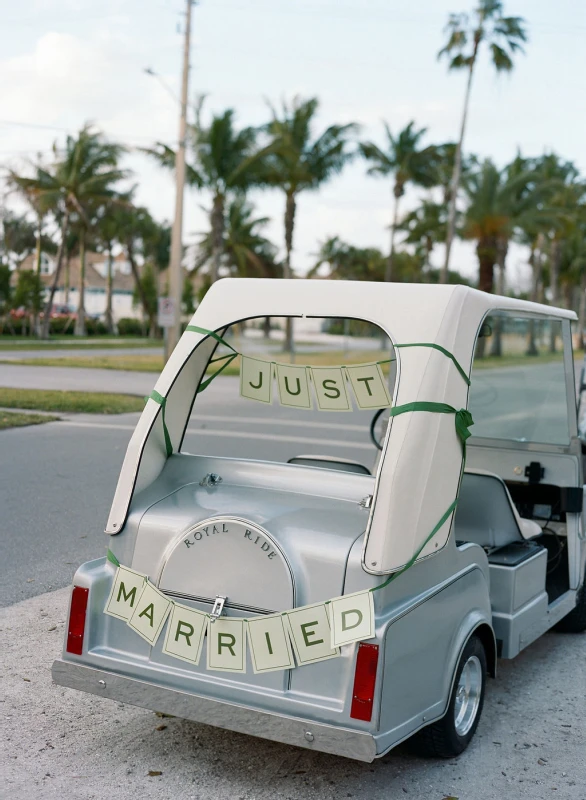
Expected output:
(77, 620)
(364, 681)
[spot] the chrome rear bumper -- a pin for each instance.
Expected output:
(276, 727)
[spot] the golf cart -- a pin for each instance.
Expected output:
(313, 599)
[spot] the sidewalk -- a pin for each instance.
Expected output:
(60, 743)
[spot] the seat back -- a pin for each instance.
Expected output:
(485, 514)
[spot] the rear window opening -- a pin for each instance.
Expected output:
(297, 404)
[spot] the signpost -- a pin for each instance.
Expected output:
(166, 312)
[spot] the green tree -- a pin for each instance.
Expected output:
(503, 36)
(298, 161)
(347, 262)
(28, 294)
(247, 253)
(146, 294)
(83, 175)
(498, 200)
(407, 162)
(187, 296)
(141, 236)
(18, 238)
(222, 160)
(425, 228)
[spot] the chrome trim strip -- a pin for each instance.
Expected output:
(358, 745)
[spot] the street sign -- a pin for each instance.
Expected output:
(166, 312)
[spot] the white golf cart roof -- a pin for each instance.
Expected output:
(422, 456)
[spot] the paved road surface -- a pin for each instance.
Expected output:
(58, 743)
(74, 379)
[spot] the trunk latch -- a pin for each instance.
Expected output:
(218, 607)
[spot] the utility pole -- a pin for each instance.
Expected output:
(174, 331)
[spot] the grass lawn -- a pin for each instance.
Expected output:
(133, 363)
(72, 402)
(73, 343)
(11, 419)
(152, 363)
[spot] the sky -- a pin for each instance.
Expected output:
(64, 62)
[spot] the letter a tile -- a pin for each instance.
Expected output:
(150, 613)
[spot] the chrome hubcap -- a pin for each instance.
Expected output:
(468, 693)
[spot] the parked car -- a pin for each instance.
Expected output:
(326, 603)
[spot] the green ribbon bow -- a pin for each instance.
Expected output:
(463, 418)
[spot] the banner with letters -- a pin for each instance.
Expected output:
(331, 385)
(278, 641)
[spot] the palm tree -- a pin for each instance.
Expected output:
(346, 262)
(224, 161)
(297, 161)
(425, 227)
(141, 236)
(84, 173)
(497, 200)
(504, 37)
(407, 163)
(247, 253)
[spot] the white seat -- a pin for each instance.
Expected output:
(486, 514)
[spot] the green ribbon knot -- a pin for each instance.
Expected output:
(463, 417)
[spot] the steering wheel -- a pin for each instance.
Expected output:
(377, 439)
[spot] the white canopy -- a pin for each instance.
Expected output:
(421, 461)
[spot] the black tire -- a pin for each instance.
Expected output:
(441, 739)
(575, 621)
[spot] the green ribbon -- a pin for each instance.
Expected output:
(463, 417)
(414, 558)
(442, 350)
(112, 558)
(227, 359)
(162, 401)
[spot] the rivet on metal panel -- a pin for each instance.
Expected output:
(517, 470)
(102, 684)
(309, 736)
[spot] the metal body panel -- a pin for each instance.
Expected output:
(509, 628)
(314, 521)
(318, 693)
(513, 587)
(288, 730)
(421, 651)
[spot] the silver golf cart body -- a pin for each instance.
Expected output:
(333, 532)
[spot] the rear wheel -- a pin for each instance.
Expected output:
(450, 736)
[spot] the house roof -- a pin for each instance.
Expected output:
(93, 279)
